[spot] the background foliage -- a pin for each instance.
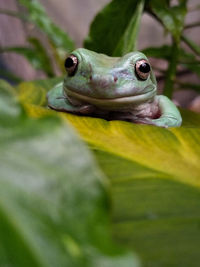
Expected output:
(61, 200)
(53, 202)
(114, 31)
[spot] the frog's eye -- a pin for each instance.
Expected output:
(142, 69)
(71, 64)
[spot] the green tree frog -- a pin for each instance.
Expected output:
(121, 88)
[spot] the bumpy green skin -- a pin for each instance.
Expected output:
(108, 87)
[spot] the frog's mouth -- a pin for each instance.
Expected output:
(113, 102)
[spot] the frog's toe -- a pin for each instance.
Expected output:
(167, 121)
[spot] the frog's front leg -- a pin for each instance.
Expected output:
(170, 115)
(58, 101)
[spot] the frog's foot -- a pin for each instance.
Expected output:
(163, 113)
(170, 115)
(58, 101)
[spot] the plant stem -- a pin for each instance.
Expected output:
(178, 74)
(13, 14)
(193, 8)
(158, 69)
(192, 45)
(173, 61)
(192, 25)
(194, 86)
(171, 71)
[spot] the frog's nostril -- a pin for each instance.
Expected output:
(115, 79)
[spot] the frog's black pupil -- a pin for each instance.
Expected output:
(144, 67)
(69, 62)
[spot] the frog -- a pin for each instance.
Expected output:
(113, 88)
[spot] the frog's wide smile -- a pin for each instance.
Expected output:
(118, 101)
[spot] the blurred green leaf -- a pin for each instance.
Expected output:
(158, 52)
(13, 14)
(39, 17)
(186, 59)
(191, 44)
(58, 55)
(53, 206)
(9, 76)
(36, 55)
(191, 119)
(195, 67)
(9, 108)
(155, 178)
(164, 52)
(42, 57)
(171, 17)
(114, 30)
(186, 85)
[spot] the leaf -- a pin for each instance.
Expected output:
(53, 203)
(163, 51)
(39, 17)
(42, 56)
(9, 76)
(183, 85)
(186, 59)
(155, 178)
(194, 67)
(153, 214)
(12, 13)
(171, 17)
(58, 55)
(36, 55)
(114, 30)
(191, 44)
(9, 108)
(127, 43)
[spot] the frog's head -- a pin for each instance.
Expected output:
(109, 82)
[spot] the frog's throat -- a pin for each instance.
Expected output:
(114, 102)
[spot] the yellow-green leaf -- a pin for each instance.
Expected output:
(155, 183)
(53, 202)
